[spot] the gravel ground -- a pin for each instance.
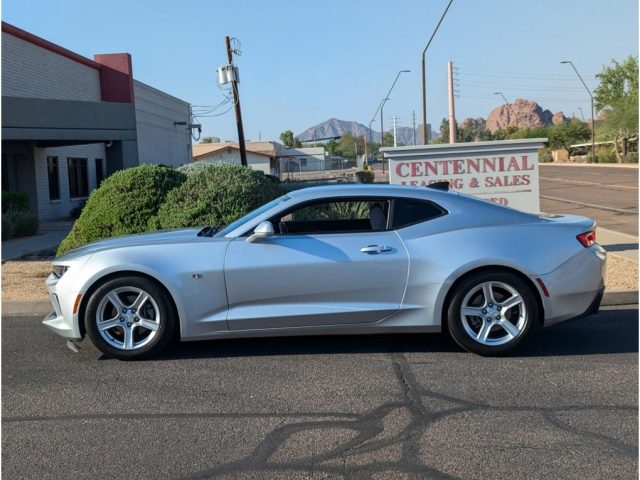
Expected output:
(622, 274)
(24, 280)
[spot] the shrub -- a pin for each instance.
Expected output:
(25, 224)
(273, 178)
(604, 155)
(632, 157)
(124, 204)
(194, 168)
(220, 194)
(544, 155)
(14, 201)
(19, 223)
(365, 176)
(7, 227)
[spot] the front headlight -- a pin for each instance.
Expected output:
(59, 270)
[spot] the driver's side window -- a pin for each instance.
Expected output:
(334, 216)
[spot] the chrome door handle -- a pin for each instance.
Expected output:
(375, 249)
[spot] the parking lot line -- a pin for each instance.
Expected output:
(588, 183)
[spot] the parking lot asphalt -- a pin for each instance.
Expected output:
(607, 194)
(382, 407)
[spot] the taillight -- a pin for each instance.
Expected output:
(587, 238)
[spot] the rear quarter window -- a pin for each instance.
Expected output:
(410, 211)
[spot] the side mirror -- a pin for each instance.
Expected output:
(263, 230)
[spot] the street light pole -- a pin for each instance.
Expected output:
(385, 101)
(424, 77)
(593, 117)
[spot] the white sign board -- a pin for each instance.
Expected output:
(504, 172)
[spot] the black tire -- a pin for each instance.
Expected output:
(491, 325)
(165, 319)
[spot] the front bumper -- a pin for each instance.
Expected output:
(62, 320)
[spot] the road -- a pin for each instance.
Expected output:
(383, 407)
(608, 194)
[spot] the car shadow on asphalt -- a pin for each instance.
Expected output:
(612, 331)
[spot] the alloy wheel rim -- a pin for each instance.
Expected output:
(493, 313)
(128, 318)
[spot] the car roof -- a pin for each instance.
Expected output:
(358, 189)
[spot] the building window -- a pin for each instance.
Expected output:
(78, 179)
(54, 178)
(5, 172)
(303, 162)
(99, 172)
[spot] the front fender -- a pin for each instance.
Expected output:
(192, 274)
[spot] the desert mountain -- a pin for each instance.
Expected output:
(522, 113)
(335, 128)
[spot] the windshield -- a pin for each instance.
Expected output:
(251, 215)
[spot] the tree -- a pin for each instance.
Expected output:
(387, 140)
(618, 83)
(444, 131)
(289, 140)
(564, 135)
(617, 97)
(210, 140)
(332, 147)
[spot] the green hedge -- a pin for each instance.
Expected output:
(125, 203)
(219, 194)
(18, 223)
(14, 201)
(194, 168)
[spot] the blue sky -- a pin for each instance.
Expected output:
(306, 61)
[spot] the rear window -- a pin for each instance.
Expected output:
(409, 211)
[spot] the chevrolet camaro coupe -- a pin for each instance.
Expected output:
(343, 259)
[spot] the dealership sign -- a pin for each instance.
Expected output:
(504, 172)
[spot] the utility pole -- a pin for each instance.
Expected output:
(236, 101)
(381, 125)
(414, 127)
(452, 113)
(395, 132)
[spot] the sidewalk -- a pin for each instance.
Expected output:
(48, 238)
(617, 243)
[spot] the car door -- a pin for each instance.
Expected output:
(325, 265)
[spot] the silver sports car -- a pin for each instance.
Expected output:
(335, 260)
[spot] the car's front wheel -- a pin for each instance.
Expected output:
(130, 317)
(491, 313)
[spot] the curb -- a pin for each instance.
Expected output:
(25, 308)
(614, 298)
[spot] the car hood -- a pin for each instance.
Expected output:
(186, 235)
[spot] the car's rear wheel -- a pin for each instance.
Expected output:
(491, 313)
(130, 317)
